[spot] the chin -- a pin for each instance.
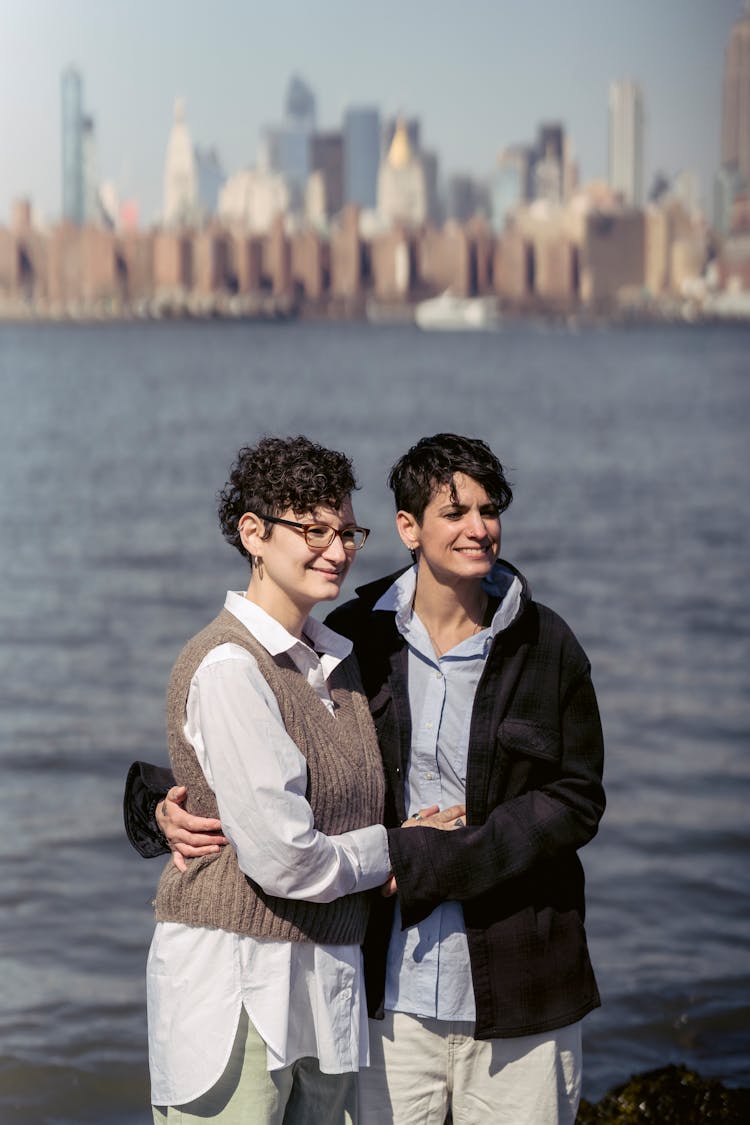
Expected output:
(330, 589)
(478, 563)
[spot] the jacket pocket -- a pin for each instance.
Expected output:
(530, 756)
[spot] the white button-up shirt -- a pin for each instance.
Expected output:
(304, 999)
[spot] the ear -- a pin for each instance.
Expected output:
(408, 529)
(252, 529)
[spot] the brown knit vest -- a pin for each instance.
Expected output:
(344, 787)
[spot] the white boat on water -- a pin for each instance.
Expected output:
(450, 313)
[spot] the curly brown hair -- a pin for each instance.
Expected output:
(282, 473)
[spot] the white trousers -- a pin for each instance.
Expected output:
(421, 1068)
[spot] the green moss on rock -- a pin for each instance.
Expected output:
(672, 1095)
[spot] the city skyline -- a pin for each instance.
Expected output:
(480, 78)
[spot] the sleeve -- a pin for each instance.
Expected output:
(560, 815)
(145, 786)
(259, 777)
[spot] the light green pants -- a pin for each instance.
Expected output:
(249, 1094)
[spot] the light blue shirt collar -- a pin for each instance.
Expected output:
(399, 598)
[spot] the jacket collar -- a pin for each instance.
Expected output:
(496, 584)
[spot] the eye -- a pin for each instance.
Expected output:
(318, 533)
(453, 515)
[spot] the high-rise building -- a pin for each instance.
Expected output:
(551, 141)
(210, 179)
(327, 158)
(73, 157)
(402, 185)
(626, 170)
(92, 212)
(431, 167)
(253, 199)
(546, 168)
(728, 185)
(547, 178)
(465, 197)
(413, 128)
(735, 131)
(361, 155)
(299, 105)
(181, 205)
(287, 146)
(510, 183)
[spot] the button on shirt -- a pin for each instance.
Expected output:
(304, 999)
(428, 969)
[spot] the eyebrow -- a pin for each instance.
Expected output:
(453, 505)
(319, 519)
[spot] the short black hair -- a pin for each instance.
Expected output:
(278, 474)
(434, 461)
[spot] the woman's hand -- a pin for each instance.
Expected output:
(447, 820)
(434, 817)
(389, 887)
(187, 835)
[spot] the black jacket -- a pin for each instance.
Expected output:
(533, 796)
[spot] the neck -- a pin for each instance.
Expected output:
(276, 605)
(448, 606)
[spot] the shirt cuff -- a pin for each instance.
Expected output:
(368, 849)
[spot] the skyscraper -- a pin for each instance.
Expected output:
(509, 184)
(287, 146)
(180, 173)
(402, 185)
(361, 155)
(413, 127)
(327, 159)
(735, 132)
(73, 166)
(91, 209)
(626, 173)
(210, 179)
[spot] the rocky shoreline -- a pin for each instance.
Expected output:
(671, 1095)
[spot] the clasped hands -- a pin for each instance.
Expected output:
(447, 820)
(189, 836)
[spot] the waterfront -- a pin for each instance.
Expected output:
(628, 452)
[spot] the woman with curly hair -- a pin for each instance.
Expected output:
(254, 973)
(478, 971)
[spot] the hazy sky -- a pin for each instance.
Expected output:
(480, 74)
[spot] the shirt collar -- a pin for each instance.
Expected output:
(399, 599)
(276, 639)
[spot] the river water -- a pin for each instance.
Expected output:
(628, 449)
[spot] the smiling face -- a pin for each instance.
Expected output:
(458, 538)
(292, 577)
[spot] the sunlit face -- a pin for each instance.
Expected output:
(294, 576)
(459, 536)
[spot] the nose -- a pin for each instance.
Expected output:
(335, 552)
(476, 527)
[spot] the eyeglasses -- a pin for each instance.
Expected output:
(321, 535)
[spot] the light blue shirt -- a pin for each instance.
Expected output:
(428, 971)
